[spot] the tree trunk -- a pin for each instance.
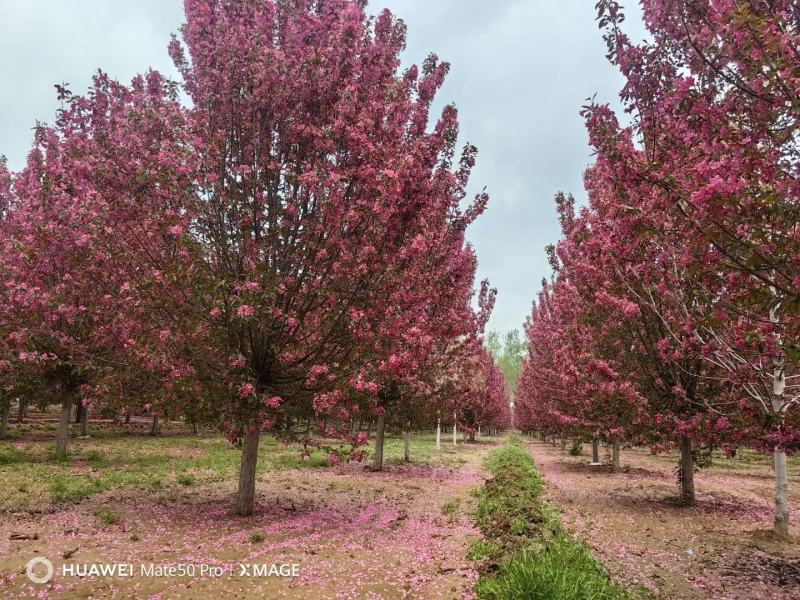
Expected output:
(155, 429)
(78, 412)
(22, 410)
(438, 434)
(595, 451)
(369, 429)
(127, 417)
(687, 472)
(62, 433)
(377, 464)
(615, 456)
(407, 446)
(479, 431)
(84, 419)
(245, 497)
(781, 494)
(781, 517)
(5, 410)
(455, 430)
(471, 436)
(194, 426)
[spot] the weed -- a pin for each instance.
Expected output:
(107, 516)
(256, 537)
(451, 509)
(186, 479)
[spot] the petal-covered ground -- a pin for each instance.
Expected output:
(353, 533)
(721, 549)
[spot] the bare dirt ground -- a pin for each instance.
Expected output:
(721, 549)
(353, 533)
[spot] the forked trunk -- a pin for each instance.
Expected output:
(687, 472)
(377, 464)
(615, 456)
(62, 433)
(245, 497)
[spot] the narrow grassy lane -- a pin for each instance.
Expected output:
(525, 553)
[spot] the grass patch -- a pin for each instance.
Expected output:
(257, 537)
(9, 455)
(451, 508)
(186, 479)
(107, 516)
(97, 459)
(73, 488)
(481, 549)
(525, 553)
(116, 459)
(509, 510)
(564, 569)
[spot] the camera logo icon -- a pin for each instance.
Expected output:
(31, 570)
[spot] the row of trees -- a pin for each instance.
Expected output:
(674, 314)
(290, 247)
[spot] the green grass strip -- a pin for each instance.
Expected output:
(525, 553)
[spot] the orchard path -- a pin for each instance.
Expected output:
(355, 534)
(721, 549)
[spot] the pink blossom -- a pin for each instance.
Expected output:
(245, 310)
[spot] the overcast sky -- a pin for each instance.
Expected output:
(521, 70)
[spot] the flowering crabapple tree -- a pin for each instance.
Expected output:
(716, 99)
(608, 326)
(316, 170)
(80, 236)
(481, 399)
(413, 358)
(7, 370)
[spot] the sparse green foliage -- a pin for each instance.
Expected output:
(451, 509)
(186, 479)
(107, 516)
(256, 537)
